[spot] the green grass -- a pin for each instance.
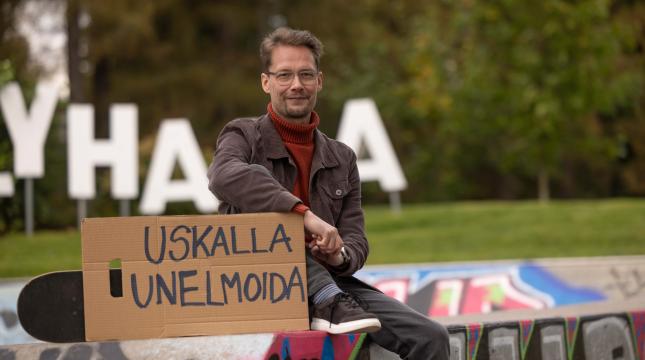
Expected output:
(426, 233)
(506, 230)
(45, 251)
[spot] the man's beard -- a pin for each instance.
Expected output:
(300, 111)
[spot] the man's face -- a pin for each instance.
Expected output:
(294, 101)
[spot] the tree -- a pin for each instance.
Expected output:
(13, 65)
(627, 124)
(523, 82)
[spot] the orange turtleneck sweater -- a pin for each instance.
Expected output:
(299, 141)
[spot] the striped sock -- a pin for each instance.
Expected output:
(326, 293)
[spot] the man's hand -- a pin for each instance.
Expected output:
(326, 242)
(335, 259)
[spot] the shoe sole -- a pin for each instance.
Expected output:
(356, 326)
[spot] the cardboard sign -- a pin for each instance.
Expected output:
(194, 275)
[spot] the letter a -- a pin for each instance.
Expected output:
(176, 143)
(280, 236)
(361, 123)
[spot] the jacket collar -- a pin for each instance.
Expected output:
(275, 149)
(273, 146)
(324, 157)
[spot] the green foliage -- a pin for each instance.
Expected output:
(196, 60)
(6, 75)
(530, 78)
(6, 72)
(450, 79)
(13, 67)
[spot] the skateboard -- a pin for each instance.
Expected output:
(50, 306)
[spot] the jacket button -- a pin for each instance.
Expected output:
(339, 192)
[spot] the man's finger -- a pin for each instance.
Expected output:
(315, 251)
(331, 245)
(339, 244)
(323, 241)
(314, 241)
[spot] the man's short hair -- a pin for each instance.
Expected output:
(290, 37)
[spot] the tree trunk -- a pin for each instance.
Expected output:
(101, 89)
(73, 57)
(76, 89)
(544, 192)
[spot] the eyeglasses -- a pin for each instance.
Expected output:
(307, 77)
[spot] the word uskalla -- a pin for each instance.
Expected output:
(253, 287)
(183, 241)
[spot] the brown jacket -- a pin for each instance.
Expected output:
(252, 171)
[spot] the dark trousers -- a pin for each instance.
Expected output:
(403, 330)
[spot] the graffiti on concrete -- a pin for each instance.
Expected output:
(630, 282)
(315, 345)
(288, 345)
(10, 330)
(597, 337)
(503, 343)
(448, 291)
(472, 339)
(441, 290)
(552, 342)
(526, 332)
(89, 351)
(612, 336)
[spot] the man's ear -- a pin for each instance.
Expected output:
(320, 81)
(264, 80)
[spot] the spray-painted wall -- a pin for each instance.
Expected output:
(292, 345)
(457, 289)
(612, 336)
(10, 330)
(599, 337)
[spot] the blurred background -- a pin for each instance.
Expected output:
(519, 125)
(505, 101)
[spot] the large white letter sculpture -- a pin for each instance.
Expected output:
(6, 184)
(360, 125)
(27, 130)
(120, 152)
(176, 142)
(361, 122)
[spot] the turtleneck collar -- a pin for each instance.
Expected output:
(294, 133)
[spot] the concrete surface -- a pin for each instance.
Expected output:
(580, 308)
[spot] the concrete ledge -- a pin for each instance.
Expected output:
(580, 310)
(619, 335)
(602, 336)
(293, 345)
(571, 326)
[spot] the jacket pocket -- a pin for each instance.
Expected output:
(334, 194)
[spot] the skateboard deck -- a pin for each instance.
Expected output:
(50, 306)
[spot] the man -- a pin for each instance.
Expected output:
(281, 162)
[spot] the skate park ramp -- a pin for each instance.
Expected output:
(569, 308)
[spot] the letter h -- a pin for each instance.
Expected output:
(119, 152)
